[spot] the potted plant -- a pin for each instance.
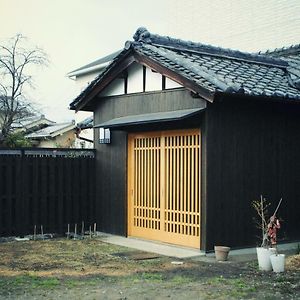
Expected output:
(221, 253)
(268, 227)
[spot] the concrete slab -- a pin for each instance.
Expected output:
(150, 246)
(240, 255)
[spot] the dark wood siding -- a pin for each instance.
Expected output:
(253, 149)
(112, 158)
(49, 187)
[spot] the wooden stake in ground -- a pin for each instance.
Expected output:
(42, 231)
(34, 232)
(68, 233)
(75, 231)
(95, 228)
(82, 228)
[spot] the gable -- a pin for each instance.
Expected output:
(202, 69)
(138, 79)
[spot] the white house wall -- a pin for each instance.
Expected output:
(135, 79)
(153, 81)
(135, 82)
(114, 88)
(170, 84)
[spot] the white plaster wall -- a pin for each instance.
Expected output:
(134, 82)
(171, 84)
(116, 87)
(153, 81)
(135, 78)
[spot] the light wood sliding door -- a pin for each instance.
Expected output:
(164, 186)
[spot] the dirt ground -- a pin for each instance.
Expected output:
(91, 269)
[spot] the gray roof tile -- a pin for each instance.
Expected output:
(275, 74)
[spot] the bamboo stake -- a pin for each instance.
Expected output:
(82, 228)
(68, 233)
(277, 207)
(42, 231)
(95, 228)
(262, 220)
(34, 232)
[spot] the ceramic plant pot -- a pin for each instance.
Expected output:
(278, 262)
(221, 253)
(263, 257)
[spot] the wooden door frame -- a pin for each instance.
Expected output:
(130, 161)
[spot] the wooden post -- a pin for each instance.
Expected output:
(42, 231)
(82, 228)
(68, 233)
(34, 232)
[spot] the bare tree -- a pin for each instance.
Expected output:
(16, 62)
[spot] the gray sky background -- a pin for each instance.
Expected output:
(76, 32)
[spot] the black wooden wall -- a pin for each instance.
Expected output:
(253, 149)
(46, 187)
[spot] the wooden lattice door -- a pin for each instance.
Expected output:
(164, 186)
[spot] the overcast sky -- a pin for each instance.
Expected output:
(76, 32)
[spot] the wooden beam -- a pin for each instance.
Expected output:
(112, 74)
(190, 85)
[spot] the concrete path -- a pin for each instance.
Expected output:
(150, 246)
(246, 254)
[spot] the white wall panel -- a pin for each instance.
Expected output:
(116, 87)
(153, 81)
(135, 78)
(170, 84)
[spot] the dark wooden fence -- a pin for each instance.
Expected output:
(48, 187)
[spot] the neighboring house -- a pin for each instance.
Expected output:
(82, 77)
(87, 73)
(58, 135)
(84, 134)
(31, 124)
(196, 134)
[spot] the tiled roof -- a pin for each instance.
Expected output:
(51, 131)
(32, 122)
(214, 69)
(292, 56)
(86, 123)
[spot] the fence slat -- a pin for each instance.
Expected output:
(49, 188)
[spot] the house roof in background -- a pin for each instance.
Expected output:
(51, 131)
(86, 123)
(95, 65)
(31, 122)
(204, 69)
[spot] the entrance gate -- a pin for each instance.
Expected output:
(164, 186)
